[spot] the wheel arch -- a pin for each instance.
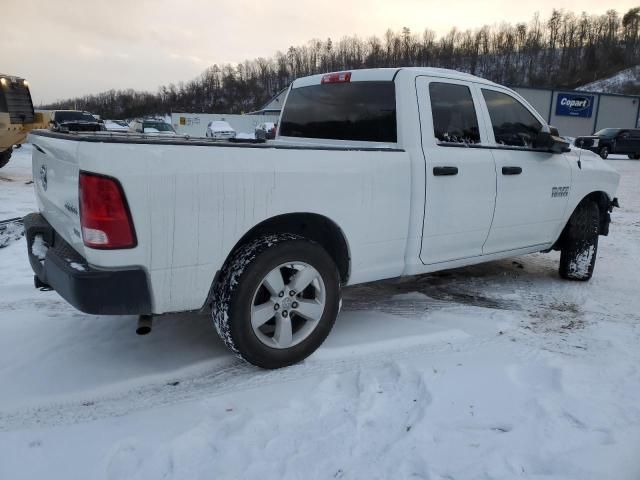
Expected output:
(313, 226)
(604, 201)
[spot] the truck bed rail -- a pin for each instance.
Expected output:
(147, 139)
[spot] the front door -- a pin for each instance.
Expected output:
(460, 179)
(533, 185)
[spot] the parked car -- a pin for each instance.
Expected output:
(220, 130)
(74, 121)
(609, 141)
(152, 126)
(116, 125)
(374, 174)
(266, 131)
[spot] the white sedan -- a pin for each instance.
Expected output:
(220, 130)
(116, 125)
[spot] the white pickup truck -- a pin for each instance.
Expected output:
(373, 174)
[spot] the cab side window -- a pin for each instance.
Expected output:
(513, 124)
(454, 115)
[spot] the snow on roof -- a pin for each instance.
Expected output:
(614, 83)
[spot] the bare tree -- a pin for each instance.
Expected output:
(563, 51)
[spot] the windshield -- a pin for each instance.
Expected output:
(159, 126)
(74, 117)
(607, 132)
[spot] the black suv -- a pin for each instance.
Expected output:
(613, 140)
(74, 121)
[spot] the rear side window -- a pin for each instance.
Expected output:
(363, 111)
(513, 124)
(454, 116)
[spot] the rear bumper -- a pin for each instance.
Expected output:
(97, 291)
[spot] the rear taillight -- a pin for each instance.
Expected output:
(104, 214)
(339, 77)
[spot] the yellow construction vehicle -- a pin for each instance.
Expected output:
(17, 117)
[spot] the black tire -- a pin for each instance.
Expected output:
(243, 275)
(604, 152)
(634, 156)
(5, 156)
(578, 254)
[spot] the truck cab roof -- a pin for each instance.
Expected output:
(389, 74)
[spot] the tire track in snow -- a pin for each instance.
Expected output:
(236, 376)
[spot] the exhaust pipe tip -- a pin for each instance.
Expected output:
(145, 323)
(143, 330)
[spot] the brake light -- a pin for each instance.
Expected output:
(104, 214)
(339, 77)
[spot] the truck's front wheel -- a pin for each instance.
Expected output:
(604, 152)
(277, 300)
(5, 156)
(578, 254)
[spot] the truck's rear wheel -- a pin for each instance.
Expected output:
(277, 300)
(5, 156)
(634, 156)
(578, 254)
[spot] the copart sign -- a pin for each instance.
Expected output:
(573, 105)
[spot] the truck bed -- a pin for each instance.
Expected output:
(192, 200)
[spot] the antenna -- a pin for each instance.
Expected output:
(580, 154)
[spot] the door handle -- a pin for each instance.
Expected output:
(511, 170)
(442, 171)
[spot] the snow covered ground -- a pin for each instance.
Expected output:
(497, 371)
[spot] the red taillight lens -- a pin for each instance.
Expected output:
(340, 77)
(104, 214)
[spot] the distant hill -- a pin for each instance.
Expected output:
(562, 51)
(625, 81)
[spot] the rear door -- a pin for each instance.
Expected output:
(460, 178)
(533, 185)
(634, 141)
(624, 142)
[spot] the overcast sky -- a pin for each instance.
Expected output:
(67, 48)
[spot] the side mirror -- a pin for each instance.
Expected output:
(554, 131)
(546, 140)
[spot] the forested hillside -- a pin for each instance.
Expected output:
(565, 50)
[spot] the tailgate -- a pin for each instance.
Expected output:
(55, 178)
